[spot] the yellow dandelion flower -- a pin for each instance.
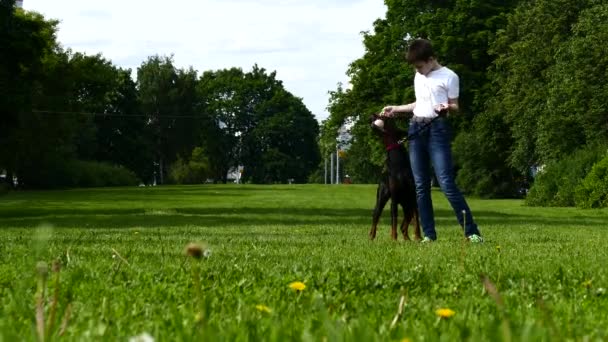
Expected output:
(405, 339)
(587, 283)
(297, 286)
(445, 313)
(263, 308)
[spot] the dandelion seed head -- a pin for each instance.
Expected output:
(144, 337)
(194, 250)
(207, 253)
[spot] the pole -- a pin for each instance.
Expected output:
(337, 166)
(325, 166)
(331, 169)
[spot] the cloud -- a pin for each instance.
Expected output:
(309, 43)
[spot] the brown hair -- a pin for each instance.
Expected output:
(420, 50)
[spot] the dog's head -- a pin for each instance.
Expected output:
(378, 123)
(386, 127)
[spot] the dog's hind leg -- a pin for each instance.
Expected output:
(382, 196)
(407, 218)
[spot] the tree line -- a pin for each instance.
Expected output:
(70, 119)
(533, 88)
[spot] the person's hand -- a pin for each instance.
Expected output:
(388, 111)
(442, 109)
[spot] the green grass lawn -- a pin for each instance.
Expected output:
(123, 271)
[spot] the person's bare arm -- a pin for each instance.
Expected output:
(391, 111)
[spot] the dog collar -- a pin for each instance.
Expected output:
(391, 147)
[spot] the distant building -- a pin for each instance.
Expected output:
(19, 3)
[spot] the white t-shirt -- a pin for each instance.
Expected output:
(436, 87)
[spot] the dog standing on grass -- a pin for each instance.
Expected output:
(397, 183)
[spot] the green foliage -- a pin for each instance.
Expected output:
(526, 84)
(57, 173)
(260, 125)
(547, 91)
(4, 187)
(192, 171)
(123, 269)
(79, 173)
(480, 155)
(169, 100)
(592, 192)
(556, 184)
(61, 105)
(28, 45)
(117, 134)
(577, 88)
(221, 93)
(462, 33)
(532, 77)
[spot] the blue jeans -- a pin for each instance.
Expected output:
(432, 145)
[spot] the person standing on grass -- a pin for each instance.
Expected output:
(436, 88)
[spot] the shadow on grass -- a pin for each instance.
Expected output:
(161, 191)
(247, 216)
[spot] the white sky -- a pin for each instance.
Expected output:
(310, 43)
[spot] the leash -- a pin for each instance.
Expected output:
(416, 133)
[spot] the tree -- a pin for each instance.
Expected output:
(577, 89)
(221, 98)
(31, 77)
(285, 137)
(259, 125)
(461, 31)
(111, 128)
(525, 51)
(169, 101)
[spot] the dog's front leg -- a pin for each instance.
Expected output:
(382, 196)
(394, 217)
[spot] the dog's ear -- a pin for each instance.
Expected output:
(372, 118)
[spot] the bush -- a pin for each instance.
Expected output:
(317, 176)
(193, 171)
(58, 173)
(593, 190)
(4, 188)
(556, 184)
(79, 173)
